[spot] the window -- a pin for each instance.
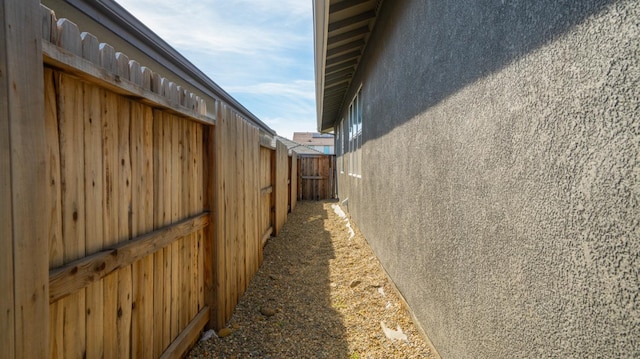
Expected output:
(340, 149)
(355, 135)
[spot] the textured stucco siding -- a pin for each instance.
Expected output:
(501, 173)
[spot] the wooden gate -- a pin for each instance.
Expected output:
(316, 177)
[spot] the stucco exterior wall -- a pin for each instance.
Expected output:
(501, 173)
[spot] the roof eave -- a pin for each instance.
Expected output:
(341, 32)
(320, 30)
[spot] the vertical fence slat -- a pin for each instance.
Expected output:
(241, 181)
(7, 305)
(176, 184)
(94, 213)
(142, 199)
(209, 240)
(294, 181)
(90, 47)
(69, 37)
(219, 245)
(70, 109)
(124, 213)
(158, 221)
(53, 204)
(109, 109)
(49, 25)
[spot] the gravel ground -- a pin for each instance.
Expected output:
(318, 294)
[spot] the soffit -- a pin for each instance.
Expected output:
(347, 31)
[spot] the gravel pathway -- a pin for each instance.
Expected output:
(320, 293)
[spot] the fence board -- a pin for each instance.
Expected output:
(170, 316)
(54, 204)
(123, 190)
(109, 110)
(142, 222)
(158, 222)
(293, 181)
(93, 209)
(70, 125)
(281, 187)
(265, 194)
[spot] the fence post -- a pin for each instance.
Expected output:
(24, 297)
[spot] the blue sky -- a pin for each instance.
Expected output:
(259, 51)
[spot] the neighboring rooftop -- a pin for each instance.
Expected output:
(296, 147)
(313, 138)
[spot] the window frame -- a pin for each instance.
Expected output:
(355, 120)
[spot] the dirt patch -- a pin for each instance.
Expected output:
(320, 293)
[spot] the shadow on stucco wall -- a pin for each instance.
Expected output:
(500, 172)
(433, 49)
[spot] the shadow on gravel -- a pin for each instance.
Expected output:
(286, 312)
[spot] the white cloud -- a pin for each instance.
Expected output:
(260, 51)
(302, 89)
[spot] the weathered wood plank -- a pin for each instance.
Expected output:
(109, 110)
(93, 186)
(241, 181)
(68, 37)
(232, 219)
(281, 188)
(294, 180)
(142, 199)
(53, 203)
(123, 318)
(187, 337)
(49, 24)
(191, 179)
(167, 251)
(210, 235)
(78, 274)
(198, 205)
(158, 222)
(90, 47)
(185, 204)
(252, 202)
(218, 250)
(176, 184)
(71, 132)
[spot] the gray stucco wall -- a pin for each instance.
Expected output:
(501, 173)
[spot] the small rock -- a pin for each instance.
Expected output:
(267, 311)
(273, 277)
(224, 332)
(354, 283)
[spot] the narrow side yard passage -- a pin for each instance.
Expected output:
(320, 293)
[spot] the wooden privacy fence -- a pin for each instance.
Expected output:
(316, 177)
(151, 214)
(249, 189)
